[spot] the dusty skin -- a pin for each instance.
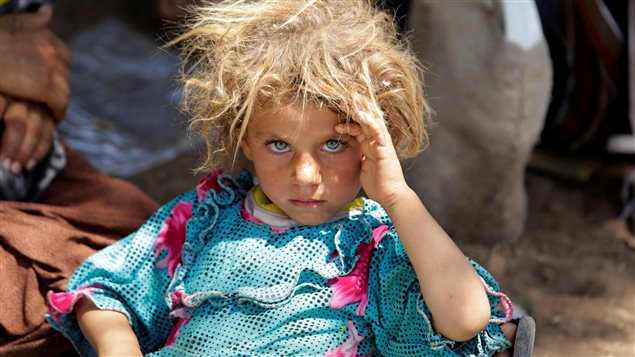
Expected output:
(573, 269)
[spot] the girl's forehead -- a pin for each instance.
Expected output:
(298, 113)
(291, 119)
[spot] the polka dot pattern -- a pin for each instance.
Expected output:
(245, 290)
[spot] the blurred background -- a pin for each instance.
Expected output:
(532, 156)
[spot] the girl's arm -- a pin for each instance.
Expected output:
(107, 331)
(451, 287)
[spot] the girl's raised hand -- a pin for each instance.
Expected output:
(381, 174)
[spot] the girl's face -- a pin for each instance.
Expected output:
(304, 166)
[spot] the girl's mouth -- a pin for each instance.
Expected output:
(307, 203)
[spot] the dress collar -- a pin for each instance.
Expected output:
(260, 206)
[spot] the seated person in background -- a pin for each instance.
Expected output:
(55, 208)
(34, 90)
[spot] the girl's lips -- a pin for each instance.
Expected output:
(307, 203)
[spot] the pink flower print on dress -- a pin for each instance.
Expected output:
(172, 237)
(348, 348)
(208, 182)
(62, 303)
(353, 287)
(176, 329)
(177, 297)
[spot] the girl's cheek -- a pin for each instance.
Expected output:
(265, 159)
(354, 159)
(343, 163)
(351, 168)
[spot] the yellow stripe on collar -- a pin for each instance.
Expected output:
(264, 202)
(356, 203)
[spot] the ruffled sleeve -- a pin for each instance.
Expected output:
(400, 319)
(140, 275)
(130, 276)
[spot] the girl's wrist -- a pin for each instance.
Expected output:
(396, 200)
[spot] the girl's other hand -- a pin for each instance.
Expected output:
(381, 174)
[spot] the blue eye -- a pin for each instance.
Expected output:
(278, 146)
(333, 146)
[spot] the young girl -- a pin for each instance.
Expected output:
(323, 99)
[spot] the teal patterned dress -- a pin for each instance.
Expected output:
(205, 277)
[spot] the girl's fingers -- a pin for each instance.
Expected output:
(351, 129)
(370, 131)
(370, 146)
(378, 127)
(371, 125)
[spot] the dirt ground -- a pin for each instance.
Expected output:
(573, 269)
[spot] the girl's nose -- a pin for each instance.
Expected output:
(307, 170)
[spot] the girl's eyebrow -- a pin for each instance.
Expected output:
(287, 137)
(268, 135)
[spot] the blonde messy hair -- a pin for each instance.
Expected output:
(244, 55)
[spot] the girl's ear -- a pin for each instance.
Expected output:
(244, 145)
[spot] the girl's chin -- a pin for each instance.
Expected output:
(309, 219)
